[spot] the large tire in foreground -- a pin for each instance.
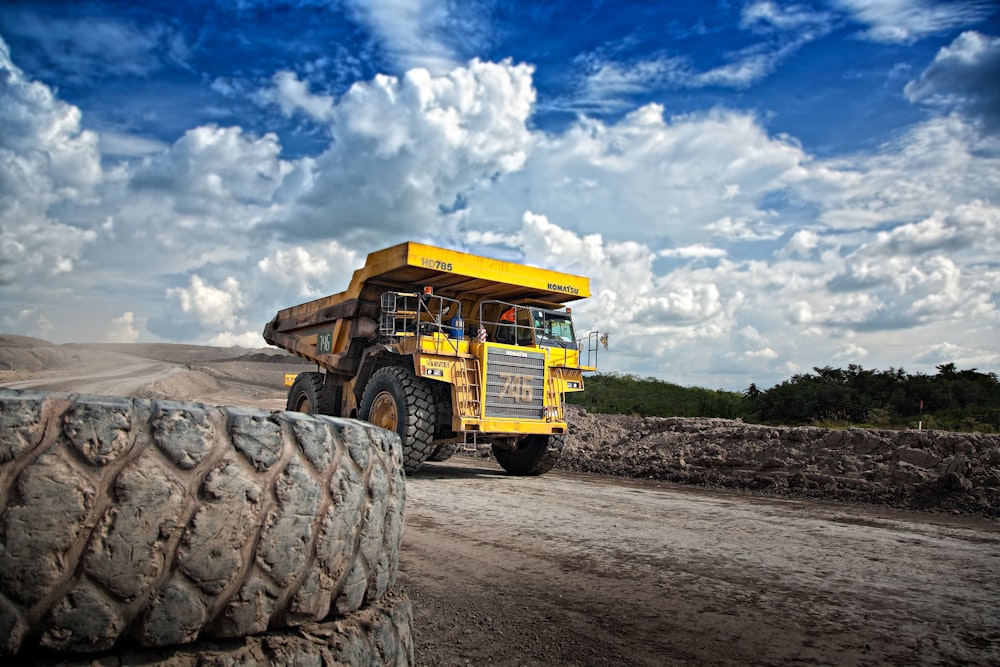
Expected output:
(130, 521)
(397, 400)
(535, 454)
(376, 634)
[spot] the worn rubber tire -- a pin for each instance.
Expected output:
(376, 634)
(306, 395)
(444, 451)
(158, 523)
(535, 454)
(414, 405)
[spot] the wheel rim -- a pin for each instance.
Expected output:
(304, 406)
(383, 412)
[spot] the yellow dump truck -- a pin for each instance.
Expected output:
(445, 348)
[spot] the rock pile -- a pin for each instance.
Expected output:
(931, 470)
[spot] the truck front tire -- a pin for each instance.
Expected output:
(397, 400)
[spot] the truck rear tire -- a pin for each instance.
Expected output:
(397, 400)
(445, 451)
(534, 455)
(131, 521)
(306, 395)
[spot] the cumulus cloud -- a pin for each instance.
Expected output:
(963, 77)
(406, 148)
(213, 167)
(902, 21)
(220, 309)
(651, 177)
(213, 306)
(121, 329)
(46, 159)
(292, 95)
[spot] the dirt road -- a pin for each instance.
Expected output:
(123, 375)
(577, 569)
(572, 569)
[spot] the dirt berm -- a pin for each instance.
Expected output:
(925, 470)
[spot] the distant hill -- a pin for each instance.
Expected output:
(25, 353)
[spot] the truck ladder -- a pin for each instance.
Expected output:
(467, 387)
(555, 397)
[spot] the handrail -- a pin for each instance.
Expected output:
(405, 314)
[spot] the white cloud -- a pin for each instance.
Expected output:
(851, 353)
(403, 148)
(291, 94)
(768, 15)
(800, 312)
(659, 178)
(802, 244)
(46, 159)
(696, 251)
(901, 21)
(248, 339)
(417, 33)
(783, 29)
(211, 306)
(960, 355)
(28, 321)
(305, 273)
(963, 77)
(211, 167)
(938, 165)
(121, 144)
(204, 309)
(94, 47)
(608, 82)
(121, 329)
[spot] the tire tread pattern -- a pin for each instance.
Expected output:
(134, 521)
(377, 634)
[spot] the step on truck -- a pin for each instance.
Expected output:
(447, 349)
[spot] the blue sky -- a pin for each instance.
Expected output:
(755, 188)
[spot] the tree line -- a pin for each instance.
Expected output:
(952, 399)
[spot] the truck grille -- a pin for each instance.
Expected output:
(515, 384)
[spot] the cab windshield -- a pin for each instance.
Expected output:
(553, 329)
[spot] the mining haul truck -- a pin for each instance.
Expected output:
(447, 349)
